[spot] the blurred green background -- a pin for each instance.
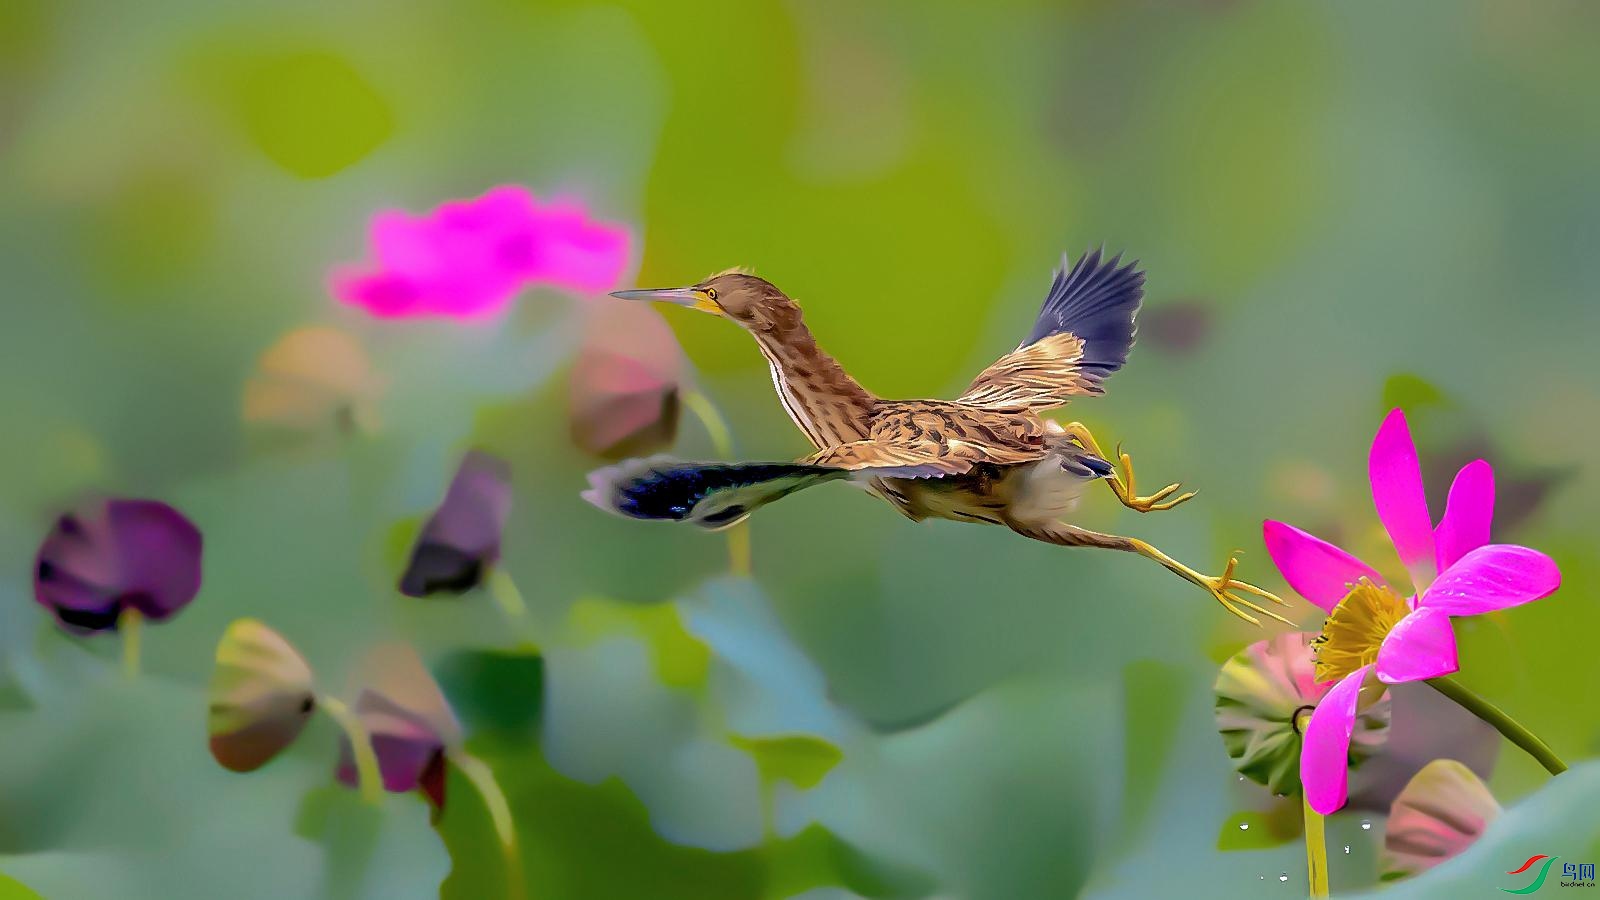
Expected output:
(1340, 207)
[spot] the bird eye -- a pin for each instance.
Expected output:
(711, 293)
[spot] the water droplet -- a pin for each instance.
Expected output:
(1244, 826)
(1283, 876)
(1365, 825)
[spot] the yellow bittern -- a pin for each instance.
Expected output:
(987, 456)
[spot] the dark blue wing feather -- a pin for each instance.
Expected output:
(1096, 299)
(711, 495)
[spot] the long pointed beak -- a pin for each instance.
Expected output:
(681, 296)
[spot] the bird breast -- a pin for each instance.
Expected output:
(1043, 491)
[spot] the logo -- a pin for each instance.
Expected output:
(1572, 874)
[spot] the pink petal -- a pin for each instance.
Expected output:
(1467, 514)
(468, 259)
(1316, 569)
(1493, 577)
(1325, 748)
(1396, 478)
(1421, 646)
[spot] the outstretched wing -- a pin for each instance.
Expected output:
(717, 495)
(1083, 334)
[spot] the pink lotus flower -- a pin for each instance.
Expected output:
(469, 258)
(1371, 629)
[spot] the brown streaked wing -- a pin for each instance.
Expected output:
(947, 437)
(1042, 375)
(858, 455)
(962, 432)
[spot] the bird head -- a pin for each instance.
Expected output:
(752, 302)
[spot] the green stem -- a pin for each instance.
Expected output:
(482, 778)
(503, 591)
(129, 623)
(369, 780)
(722, 440)
(1316, 840)
(1494, 715)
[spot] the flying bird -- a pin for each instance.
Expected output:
(987, 456)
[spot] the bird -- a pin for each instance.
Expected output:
(989, 456)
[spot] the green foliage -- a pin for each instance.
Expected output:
(1557, 820)
(801, 760)
(1153, 694)
(1246, 831)
(574, 838)
(494, 690)
(310, 111)
(681, 660)
(933, 709)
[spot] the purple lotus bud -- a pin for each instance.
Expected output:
(462, 537)
(113, 555)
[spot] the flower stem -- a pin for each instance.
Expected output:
(368, 779)
(1494, 715)
(1316, 841)
(129, 623)
(722, 439)
(503, 591)
(482, 778)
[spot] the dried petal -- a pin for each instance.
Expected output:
(261, 696)
(625, 383)
(1443, 809)
(313, 378)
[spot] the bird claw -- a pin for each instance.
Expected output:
(1123, 485)
(1222, 589)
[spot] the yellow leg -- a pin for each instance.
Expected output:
(1222, 588)
(1122, 482)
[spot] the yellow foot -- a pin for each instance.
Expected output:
(1122, 484)
(1222, 587)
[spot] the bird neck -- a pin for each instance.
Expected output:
(820, 396)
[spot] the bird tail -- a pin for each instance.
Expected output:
(1096, 299)
(711, 495)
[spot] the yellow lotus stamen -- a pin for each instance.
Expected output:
(1355, 630)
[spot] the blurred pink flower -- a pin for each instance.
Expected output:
(468, 258)
(1371, 629)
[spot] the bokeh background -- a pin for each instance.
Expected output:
(1341, 207)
